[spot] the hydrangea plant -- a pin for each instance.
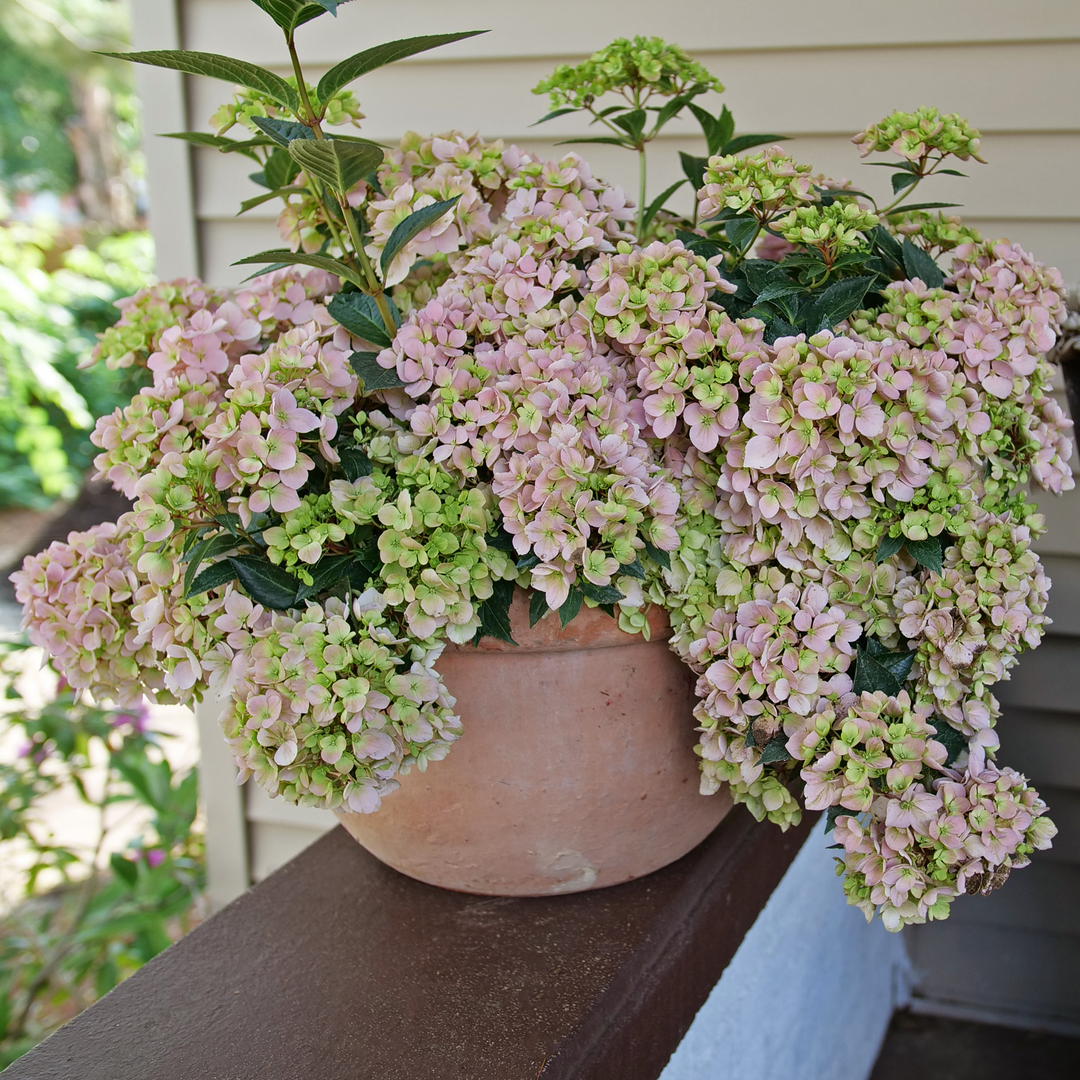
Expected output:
(474, 371)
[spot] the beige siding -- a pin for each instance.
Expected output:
(1013, 69)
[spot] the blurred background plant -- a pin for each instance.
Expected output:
(79, 914)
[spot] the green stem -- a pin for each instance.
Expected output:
(641, 195)
(309, 115)
(377, 293)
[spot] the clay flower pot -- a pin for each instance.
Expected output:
(575, 769)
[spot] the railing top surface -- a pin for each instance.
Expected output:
(336, 966)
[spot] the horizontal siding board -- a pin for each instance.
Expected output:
(273, 845)
(1044, 746)
(1023, 971)
(706, 24)
(1064, 606)
(1046, 678)
(1064, 810)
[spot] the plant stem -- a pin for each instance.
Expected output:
(377, 293)
(641, 195)
(309, 117)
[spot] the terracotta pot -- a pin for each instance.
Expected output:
(575, 769)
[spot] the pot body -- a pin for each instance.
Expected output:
(575, 769)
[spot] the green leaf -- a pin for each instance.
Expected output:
(207, 548)
(741, 231)
(699, 245)
(898, 663)
(285, 257)
(836, 303)
(220, 573)
(264, 582)
(538, 607)
(359, 314)
(632, 122)
(902, 180)
(280, 169)
(378, 56)
(712, 126)
(266, 196)
(123, 868)
(919, 265)
(218, 142)
(414, 224)
(325, 574)
(832, 814)
(501, 540)
(921, 206)
(778, 289)
(373, 376)
(570, 606)
(355, 462)
(527, 562)
(694, 169)
(217, 67)
(877, 669)
(955, 742)
(950, 172)
(338, 164)
(282, 132)
(775, 750)
(747, 142)
(634, 570)
(553, 114)
(888, 246)
(889, 546)
(602, 594)
(658, 556)
(658, 203)
(671, 108)
(927, 552)
(604, 140)
(289, 14)
(494, 613)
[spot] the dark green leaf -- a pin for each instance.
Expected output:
(527, 562)
(264, 582)
(712, 126)
(325, 574)
(832, 814)
(888, 245)
(955, 742)
(950, 172)
(672, 107)
(207, 548)
(748, 142)
(836, 303)
(877, 669)
(338, 164)
(220, 573)
(501, 540)
(266, 196)
(289, 14)
(538, 607)
(373, 376)
(658, 556)
(604, 140)
(902, 180)
(632, 122)
(898, 663)
(123, 868)
(359, 314)
(280, 169)
(658, 203)
(602, 594)
(775, 750)
(570, 606)
(634, 570)
(282, 132)
(921, 206)
(258, 178)
(494, 613)
(927, 552)
(888, 547)
(553, 114)
(355, 462)
(217, 67)
(778, 289)
(380, 55)
(415, 223)
(218, 142)
(694, 168)
(919, 265)
(741, 232)
(285, 257)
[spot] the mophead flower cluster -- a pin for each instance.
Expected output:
(788, 427)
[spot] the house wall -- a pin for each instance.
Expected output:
(816, 72)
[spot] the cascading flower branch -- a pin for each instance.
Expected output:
(786, 425)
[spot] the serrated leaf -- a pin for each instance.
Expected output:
(741, 232)
(359, 314)
(527, 562)
(836, 303)
(289, 14)
(919, 265)
(207, 548)
(374, 377)
(903, 180)
(280, 169)
(217, 67)
(672, 107)
(632, 122)
(694, 168)
(380, 55)
(748, 142)
(602, 594)
(888, 245)
(877, 669)
(658, 203)
(775, 750)
(927, 552)
(494, 613)
(889, 546)
(414, 224)
(699, 245)
(570, 606)
(355, 462)
(282, 132)
(264, 582)
(554, 113)
(832, 814)
(898, 663)
(711, 126)
(955, 742)
(325, 574)
(634, 570)
(338, 164)
(220, 573)
(217, 142)
(538, 607)
(777, 290)
(658, 556)
(285, 257)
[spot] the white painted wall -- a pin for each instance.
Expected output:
(808, 995)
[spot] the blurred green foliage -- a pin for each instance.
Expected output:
(81, 922)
